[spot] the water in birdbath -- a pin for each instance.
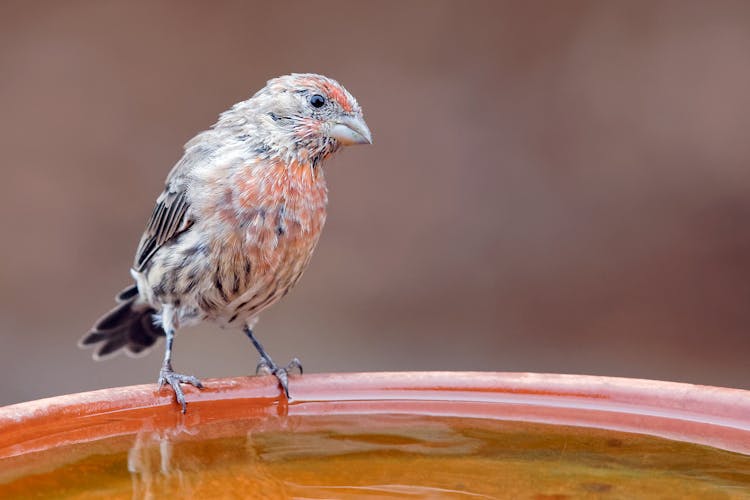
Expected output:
(376, 456)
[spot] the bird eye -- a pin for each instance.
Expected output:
(317, 101)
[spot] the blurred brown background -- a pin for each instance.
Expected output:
(554, 186)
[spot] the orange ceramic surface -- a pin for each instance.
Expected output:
(711, 416)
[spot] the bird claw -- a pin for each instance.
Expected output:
(281, 373)
(167, 376)
(295, 363)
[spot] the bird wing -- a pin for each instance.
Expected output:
(172, 215)
(169, 219)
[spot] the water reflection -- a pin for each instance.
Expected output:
(151, 463)
(194, 460)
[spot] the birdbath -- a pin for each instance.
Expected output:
(384, 435)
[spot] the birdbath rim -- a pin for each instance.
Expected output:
(713, 416)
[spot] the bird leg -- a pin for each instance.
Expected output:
(168, 376)
(267, 365)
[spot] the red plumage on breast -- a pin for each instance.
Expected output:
(272, 220)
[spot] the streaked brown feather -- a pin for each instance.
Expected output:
(168, 219)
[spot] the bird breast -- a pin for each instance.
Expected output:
(270, 218)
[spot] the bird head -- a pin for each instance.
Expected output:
(304, 117)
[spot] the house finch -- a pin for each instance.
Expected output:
(237, 222)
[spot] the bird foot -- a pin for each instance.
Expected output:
(167, 376)
(281, 373)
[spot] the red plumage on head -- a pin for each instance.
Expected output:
(328, 87)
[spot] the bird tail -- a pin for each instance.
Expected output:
(128, 327)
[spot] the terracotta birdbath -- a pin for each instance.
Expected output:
(384, 435)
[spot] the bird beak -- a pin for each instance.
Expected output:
(351, 130)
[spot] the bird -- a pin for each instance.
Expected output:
(236, 224)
